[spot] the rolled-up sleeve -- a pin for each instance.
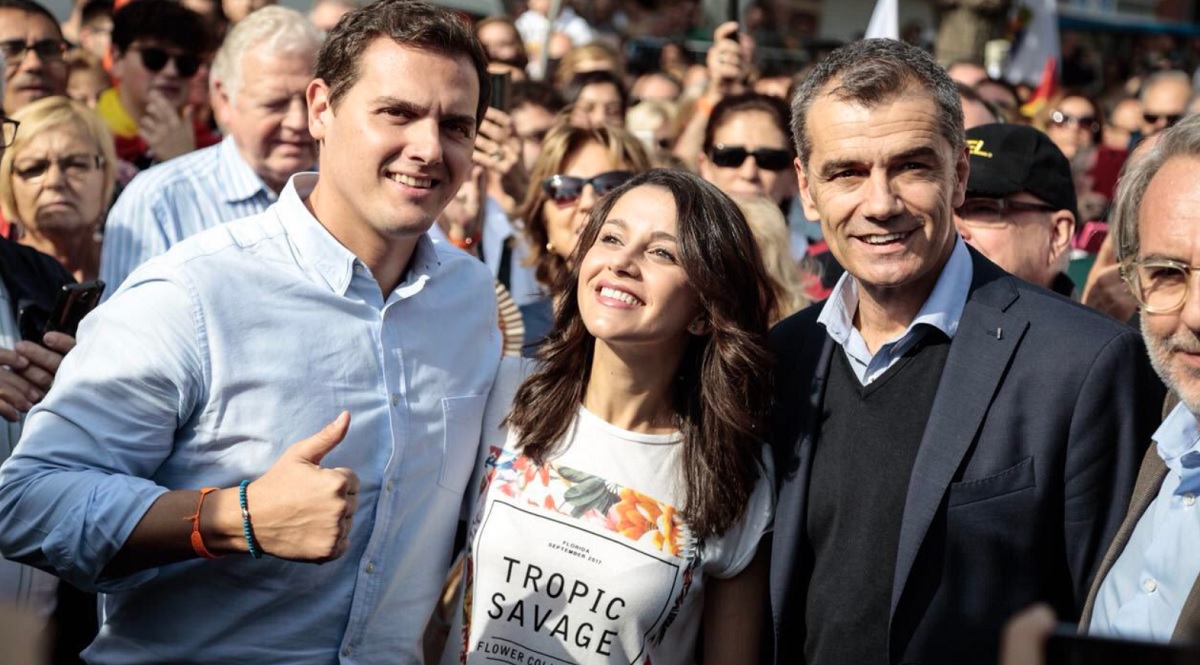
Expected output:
(81, 478)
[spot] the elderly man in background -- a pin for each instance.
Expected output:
(1165, 96)
(258, 82)
(1019, 209)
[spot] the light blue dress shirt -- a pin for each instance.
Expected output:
(1148, 584)
(200, 371)
(176, 199)
(942, 310)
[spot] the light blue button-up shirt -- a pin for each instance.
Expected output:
(200, 371)
(1148, 584)
(176, 199)
(942, 310)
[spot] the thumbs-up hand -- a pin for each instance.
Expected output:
(301, 511)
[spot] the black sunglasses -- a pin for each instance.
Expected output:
(566, 189)
(1152, 118)
(154, 59)
(733, 156)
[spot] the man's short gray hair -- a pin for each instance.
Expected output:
(874, 71)
(1182, 140)
(274, 30)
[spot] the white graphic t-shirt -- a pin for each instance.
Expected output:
(586, 559)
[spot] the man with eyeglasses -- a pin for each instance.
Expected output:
(1019, 209)
(1148, 585)
(33, 46)
(1165, 96)
(157, 47)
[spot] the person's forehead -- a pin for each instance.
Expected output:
(849, 129)
(19, 23)
(749, 124)
(497, 31)
(1170, 207)
(1168, 91)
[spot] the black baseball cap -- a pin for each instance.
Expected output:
(1009, 159)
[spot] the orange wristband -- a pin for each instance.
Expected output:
(197, 540)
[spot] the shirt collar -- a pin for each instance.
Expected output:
(1178, 441)
(330, 259)
(942, 310)
(239, 182)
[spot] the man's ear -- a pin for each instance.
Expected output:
(221, 104)
(320, 113)
(806, 198)
(1062, 230)
(962, 171)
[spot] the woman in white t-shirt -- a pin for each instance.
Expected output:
(626, 505)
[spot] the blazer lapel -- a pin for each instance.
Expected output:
(981, 350)
(1149, 480)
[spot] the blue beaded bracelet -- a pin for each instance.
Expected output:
(246, 528)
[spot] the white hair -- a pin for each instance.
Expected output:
(273, 29)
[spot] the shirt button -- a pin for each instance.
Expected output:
(1189, 499)
(370, 568)
(347, 650)
(358, 269)
(395, 399)
(1150, 585)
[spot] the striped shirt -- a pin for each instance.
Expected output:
(176, 199)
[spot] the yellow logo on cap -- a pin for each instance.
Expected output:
(975, 147)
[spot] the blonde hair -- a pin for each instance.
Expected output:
(594, 51)
(47, 114)
(561, 143)
(770, 232)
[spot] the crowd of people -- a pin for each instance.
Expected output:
(544, 361)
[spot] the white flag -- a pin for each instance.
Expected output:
(885, 20)
(1037, 42)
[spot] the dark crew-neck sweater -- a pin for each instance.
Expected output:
(868, 440)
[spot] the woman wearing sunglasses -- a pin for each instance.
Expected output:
(575, 169)
(1072, 121)
(748, 148)
(626, 503)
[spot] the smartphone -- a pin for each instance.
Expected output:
(73, 302)
(1067, 647)
(733, 13)
(501, 91)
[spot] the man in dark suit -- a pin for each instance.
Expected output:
(953, 443)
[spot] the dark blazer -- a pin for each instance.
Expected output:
(1022, 476)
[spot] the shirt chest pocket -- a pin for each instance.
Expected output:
(462, 421)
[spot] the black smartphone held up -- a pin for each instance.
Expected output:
(733, 13)
(501, 91)
(73, 302)
(1067, 647)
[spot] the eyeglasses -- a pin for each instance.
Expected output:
(1153, 118)
(154, 59)
(10, 131)
(47, 50)
(74, 167)
(732, 156)
(1159, 285)
(991, 209)
(1088, 122)
(566, 189)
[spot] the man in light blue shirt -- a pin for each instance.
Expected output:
(215, 363)
(258, 82)
(1148, 586)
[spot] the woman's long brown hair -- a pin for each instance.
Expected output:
(721, 392)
